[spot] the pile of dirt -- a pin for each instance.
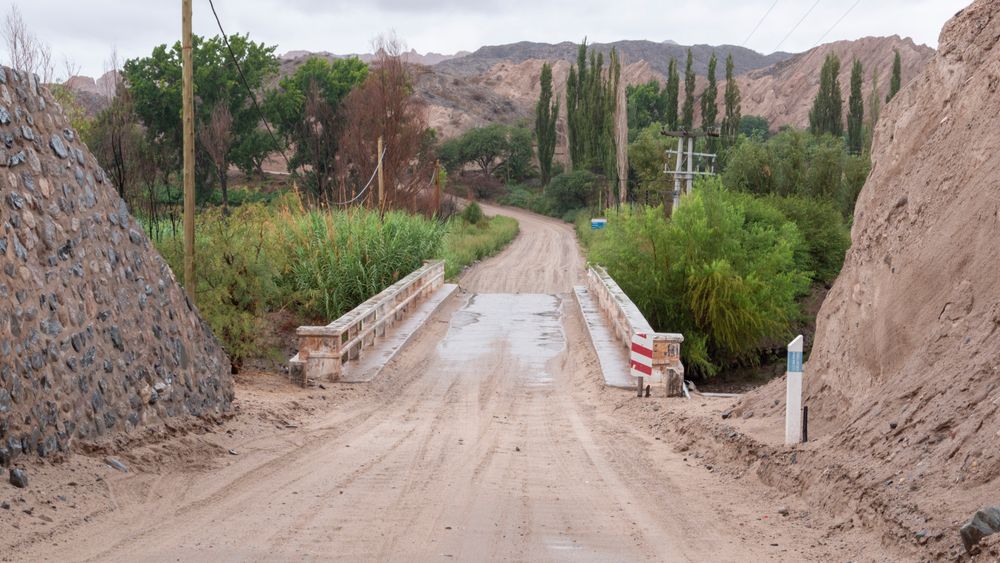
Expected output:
(96, 336)
(903, 384)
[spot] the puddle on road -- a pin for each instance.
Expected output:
(528, 326)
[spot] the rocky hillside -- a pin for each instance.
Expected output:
(658, 55)
(903, 384)
(783, 93)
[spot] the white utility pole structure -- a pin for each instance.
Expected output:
(685, 161)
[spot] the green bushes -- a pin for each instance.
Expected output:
(472, 213)
(318, 264)
(722, 271)
(340, 259)
(467, 242)
(566, 194)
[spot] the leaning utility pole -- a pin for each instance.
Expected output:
(188, 102)
(381, 185)
(684, 164)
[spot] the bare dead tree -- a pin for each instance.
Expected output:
(26, 52)
(216, 138)
(385, 106)
(320, 125)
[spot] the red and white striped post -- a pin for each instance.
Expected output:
(641, 359)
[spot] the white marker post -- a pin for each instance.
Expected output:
(793, 394)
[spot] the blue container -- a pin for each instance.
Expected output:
(598, 224)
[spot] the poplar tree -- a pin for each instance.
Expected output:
(826, 115)
(687, 120)
(591, 99)
(874, 110)
(546, 113)
(894, 82)
(731, 122)
(672, 91)
(855, 111)
(709, 98)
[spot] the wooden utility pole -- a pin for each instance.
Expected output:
(188, 100)
(381, 184)
(437, 187)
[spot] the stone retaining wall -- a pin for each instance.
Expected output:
(96, 336)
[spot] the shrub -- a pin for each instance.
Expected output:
(472, 213)
(722, 271)
(571, 190)
(826, 236)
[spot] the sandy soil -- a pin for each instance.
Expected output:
(491, 437)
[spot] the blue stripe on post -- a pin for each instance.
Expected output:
(794, 361)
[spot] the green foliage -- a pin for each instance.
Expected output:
(824, 232)
(687, 117)
(671, 93)
(591, 99)
(855, 111)
(647, 104)
(874, 110)
(709, 98)
(546, 115)
(797, 163)
(572, 190)
(896, 80)
(466, 242)
(318, 264)
(154, 83)
(527, 198)
(827, 114)
(755, 127)
(304, 109)
(645, 156)
(240, 262)
(498, 150)
(472, 214)
(731, 123)
(722, 271)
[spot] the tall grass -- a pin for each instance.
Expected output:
(467, 242)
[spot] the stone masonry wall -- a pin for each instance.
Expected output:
(96, 336)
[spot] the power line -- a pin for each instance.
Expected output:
(368, 185)
(756, 27)
(836, 23)
(246, 85)
(796, 26)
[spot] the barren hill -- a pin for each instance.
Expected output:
(903, 384)
(783, 93)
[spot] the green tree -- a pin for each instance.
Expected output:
(731, 122)
(647, 104)
(671, 92)
(709, 98)
(572, 190)
(855, 111)
(687, 118)
(304, 108)
(546, 114)
(755, 126)
(591, 99)
(497, 150)
(895, 81)
(155, 86)
(874, 110)
(645, 157)
(826, 115)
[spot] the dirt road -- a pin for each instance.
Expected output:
(489, 438)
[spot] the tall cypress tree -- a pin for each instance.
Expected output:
(731, 122)
(874, 110)
(709, 98)
(591, 99)
(894, 82)
(687, 119)
(672, 90)
(546, 114)
(826, 115)
(855, 111)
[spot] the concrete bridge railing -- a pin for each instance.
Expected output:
(324, 350)
(626, 320)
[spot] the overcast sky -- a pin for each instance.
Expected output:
(86, 30)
